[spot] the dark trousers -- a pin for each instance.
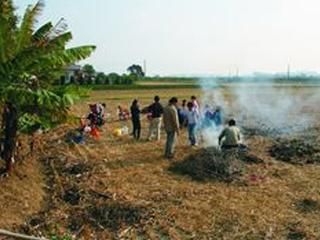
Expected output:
(240, 146)
(136, 128)
(228, 147)
(170, 144)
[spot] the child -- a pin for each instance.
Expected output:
(192, 118)
(123, 114)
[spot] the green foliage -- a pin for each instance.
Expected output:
(144, 87)
(114, 78)
(101, 78)
(136, 70)
(89, 73)
(50, 108)
(88, 69)
(90, 76)
(30, 60)
(171, 79)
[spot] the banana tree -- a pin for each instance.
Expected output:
(30, 60)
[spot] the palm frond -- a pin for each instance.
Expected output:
(8, 21)
(25, 52)
(26, 29)
(60, 27)
(59, 42)
(62, 58)
(43, 32)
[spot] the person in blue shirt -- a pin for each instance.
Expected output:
(217, 117)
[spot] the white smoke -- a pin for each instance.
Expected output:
(274, 108)
(212, 97)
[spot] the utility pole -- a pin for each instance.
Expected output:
(288, 72)
(145, 67)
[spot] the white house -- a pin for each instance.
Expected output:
(71, 71)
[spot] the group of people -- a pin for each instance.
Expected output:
(229, 137)
(175, 117)
(90, 123)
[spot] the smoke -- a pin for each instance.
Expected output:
(213, 96)
(271, 108)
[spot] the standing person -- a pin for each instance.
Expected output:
(156, 111)
(195, 103)
(230, 136)
(101, 108)
(217, 117)
(135, 117)
(182, 113)
(193, 119)
(207, 117)
(171, 125)
(10, 127)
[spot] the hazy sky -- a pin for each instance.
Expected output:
(194, 36)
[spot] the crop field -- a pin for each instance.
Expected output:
(120, 188)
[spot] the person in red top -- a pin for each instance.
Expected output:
(195, 104)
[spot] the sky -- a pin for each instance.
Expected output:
(193, 37)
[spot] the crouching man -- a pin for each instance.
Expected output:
(230, 136)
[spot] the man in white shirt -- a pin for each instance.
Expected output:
(192, 118)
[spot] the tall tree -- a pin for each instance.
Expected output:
(30, 60)
(89, 73)
(136, 70)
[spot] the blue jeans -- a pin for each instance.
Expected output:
(192, 133)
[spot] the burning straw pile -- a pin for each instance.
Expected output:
(213, 164)
(295, 151)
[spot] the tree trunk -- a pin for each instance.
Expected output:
(10, 124)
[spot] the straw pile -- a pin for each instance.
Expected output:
(211, 163)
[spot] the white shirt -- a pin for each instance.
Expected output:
(192, 116)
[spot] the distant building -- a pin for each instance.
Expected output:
(71, 71)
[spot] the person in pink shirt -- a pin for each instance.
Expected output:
(195, 104)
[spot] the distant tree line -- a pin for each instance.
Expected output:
(87, 75)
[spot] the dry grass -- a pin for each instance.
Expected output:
(22, 194)
(153, 202)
